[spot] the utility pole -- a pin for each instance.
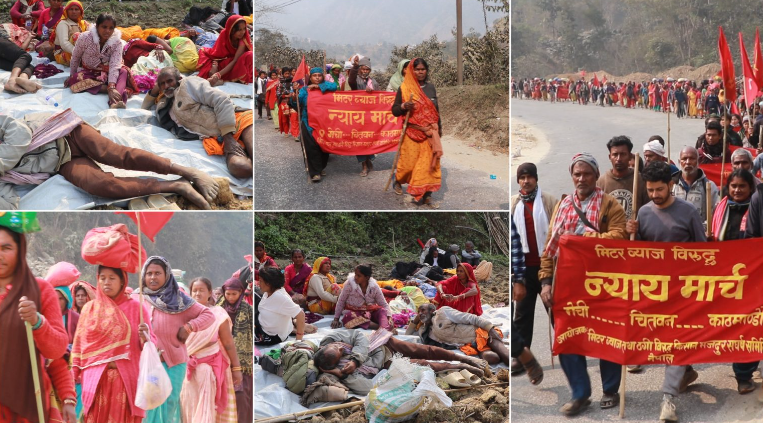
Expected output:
(459, 44)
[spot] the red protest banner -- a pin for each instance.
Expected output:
(352, 123)
(658, 302)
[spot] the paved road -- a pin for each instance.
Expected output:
(571, 128)
(281, 182)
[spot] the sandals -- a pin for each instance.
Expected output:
(455, 379)
(745, 386)
(316, 178)
(609, 401)
(398, 188)
(534, 371)
(574, 407)
(470, 378)
(516, 367)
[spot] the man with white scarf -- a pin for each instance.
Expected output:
(531, 210)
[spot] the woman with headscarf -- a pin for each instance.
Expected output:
(240, 313)
(321, 291)
(460, 291)
(397, 78)
(271, 96)
(335, 74)
(60, 276)
(208, 394)
(97, 65)
(174, 316)
(184, 54)
(70, 26)
(83, 293)
(231, 57)
(418, 164)
(106, 362)
(316, 158)
(295, 277)
(25, 299)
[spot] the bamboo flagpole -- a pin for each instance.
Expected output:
(399, 144)
(668, 141)
(709, 208)
(634, 216)
(302, 138)
(140, 267)
(725, 131)
(35, 376)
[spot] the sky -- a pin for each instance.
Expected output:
(366, 21)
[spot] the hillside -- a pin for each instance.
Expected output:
(203, 244)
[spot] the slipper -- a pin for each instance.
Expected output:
(158, 202)
(364, 172)
(471, 378)
(455, 379)
(574, 407)
(316, 178)
(138, 204)
(398, 188)
(609, 401)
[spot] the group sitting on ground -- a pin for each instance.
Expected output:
(443, 310)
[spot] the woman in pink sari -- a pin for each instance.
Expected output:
(295, 275)
(208, 394)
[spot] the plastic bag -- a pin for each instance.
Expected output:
(400, 392)
(154, 385)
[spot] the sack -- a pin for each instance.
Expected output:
(113, 247)
(154, 385)
(399, 392)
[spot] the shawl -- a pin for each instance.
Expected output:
(270, 93)
(540, 222)
(18, 396)
(297, 281)
(567, 219)
(235, 284)
(453, 286)
(54, 19)
(424, 112)
(207, 342)
(224, 47)
(89, 290)
(169, 298)
(81, 23)
(721, 217)
(316, 270)
(103, 334)
(397, 78)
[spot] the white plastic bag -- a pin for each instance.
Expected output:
(154, 385)
(399, 392)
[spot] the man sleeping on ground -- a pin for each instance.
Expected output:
(42, 144)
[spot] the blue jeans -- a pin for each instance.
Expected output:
(743, 371)
(575, 369)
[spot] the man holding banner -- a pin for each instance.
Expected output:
(667, 219)
(588, 212)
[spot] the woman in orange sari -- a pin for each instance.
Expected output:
(460, 292)
(67, 30)
(106, 362)
(321, 289)
(419, 156)
(231, 57)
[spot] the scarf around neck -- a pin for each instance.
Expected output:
(528, 198)
(169, 298)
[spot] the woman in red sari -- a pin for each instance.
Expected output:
(271, 97)
(231, 57)
(106, 362)
(460, 292)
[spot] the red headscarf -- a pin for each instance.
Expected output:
(224, 47)
(453, 286)
(103, 333)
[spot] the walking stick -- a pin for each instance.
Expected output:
(634, 215)
(551, 319)
(634, 179)
(35, 376)
(140, 278)
(302, 141)
(723, 160)
(399, 144)
(709, 209)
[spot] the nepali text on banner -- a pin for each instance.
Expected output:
(352, 123)
(633, 302)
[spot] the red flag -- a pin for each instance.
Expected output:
(150, 222)
(302, 71)
(595, 80)
(727, 67)
(757, 67)
(750, 85)
(582, 73)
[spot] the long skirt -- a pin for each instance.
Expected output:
(243, 70)
(413, 168)
(88, 80)
(169, 412)
(244, 404)
(198, 398)
(274, 115)
(111, 403)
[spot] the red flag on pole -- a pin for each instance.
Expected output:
(150, 222)
(727, 67)
(750, 85)
(301, 72)
(582, 73)
(595, 81)
(757, 67)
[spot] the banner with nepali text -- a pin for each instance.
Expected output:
(634, 302)
(352, 123)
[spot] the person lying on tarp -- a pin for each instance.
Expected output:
(452, 329)
(347, 360)
(192, 109)
(64, 144)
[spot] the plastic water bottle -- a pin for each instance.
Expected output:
(43, 61)
(45, 97)
(45, 32)
(28, 25)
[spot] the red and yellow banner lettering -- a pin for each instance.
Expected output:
(658, 302)
(352, 123)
